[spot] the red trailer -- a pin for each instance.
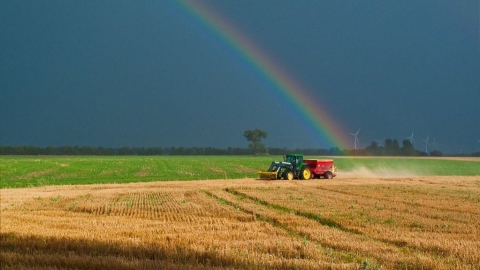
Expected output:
(322, 168)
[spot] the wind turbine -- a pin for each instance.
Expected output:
(356, 138)
(426, 144)
(379, 141)
(412, 141)
(434, 145)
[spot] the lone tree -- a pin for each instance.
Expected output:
(255, 136)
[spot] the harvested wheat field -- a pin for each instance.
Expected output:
(345, 223)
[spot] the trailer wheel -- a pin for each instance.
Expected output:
(328, 175)
(288, 175)
(305, 173)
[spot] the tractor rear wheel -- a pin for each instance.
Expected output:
(288, 175)
(305, 173)
(328, 175)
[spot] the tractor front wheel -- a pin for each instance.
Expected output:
(288, 175)
(328, 175)
(305, 173)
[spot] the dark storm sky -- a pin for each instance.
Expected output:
(148, 73)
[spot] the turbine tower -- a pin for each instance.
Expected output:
(356, 138)
(434, 145)
(379, 142)
(426, 144)
(412, 141)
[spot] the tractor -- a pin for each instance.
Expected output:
(291, 167)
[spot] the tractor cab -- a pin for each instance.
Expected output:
(295, 159)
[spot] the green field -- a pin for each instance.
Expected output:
(33, 171)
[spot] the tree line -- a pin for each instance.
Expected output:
(154, 151)
(391, 147)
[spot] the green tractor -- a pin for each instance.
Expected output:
(291, 167)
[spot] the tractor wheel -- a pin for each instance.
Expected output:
(328, 175)
(305, 173)
(288, 175)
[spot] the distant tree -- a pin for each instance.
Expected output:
(388, 146)
(396, 147)
(125, 151)
(436, 153)
(407, 148)
(335, 151)
(255, 138)
(392, 147)
(373, 149)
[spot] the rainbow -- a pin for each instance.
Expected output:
(326, 129)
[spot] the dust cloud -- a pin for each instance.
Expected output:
(383, 172)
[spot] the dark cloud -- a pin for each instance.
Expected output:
(117, 73)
